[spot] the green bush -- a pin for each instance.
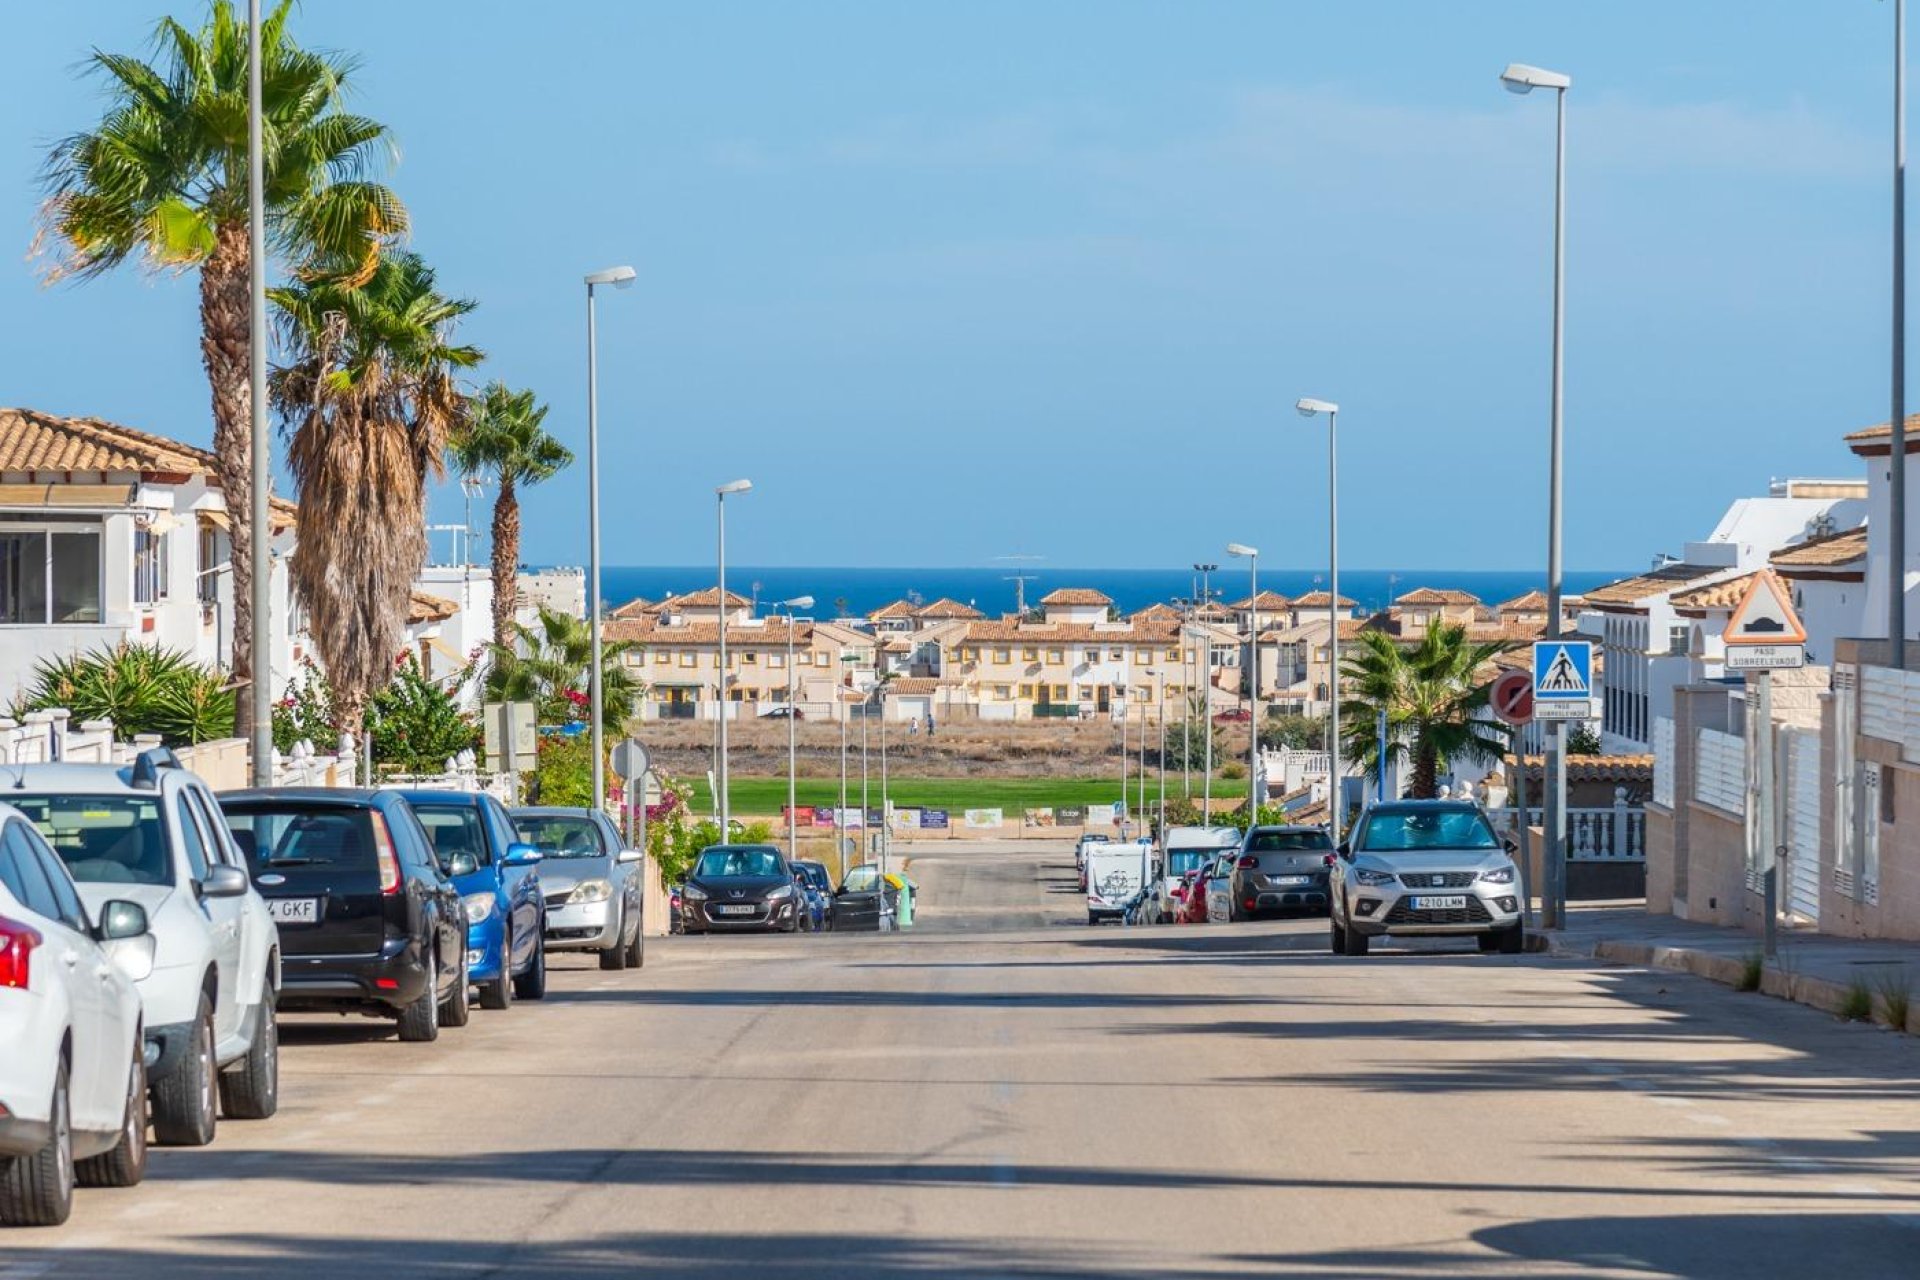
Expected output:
(563, 771)
(1233, 770)
(1296, 731)
(305, 711)
(141, 688)
(415, 726)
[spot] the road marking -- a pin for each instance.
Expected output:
(1707, 1117)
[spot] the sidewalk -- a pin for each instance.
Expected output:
(1811, 968)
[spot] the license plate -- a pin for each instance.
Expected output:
(294, 910)
(1453, 902)
(1292, 879)
(734, 911)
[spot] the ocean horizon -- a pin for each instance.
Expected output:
(858, 591)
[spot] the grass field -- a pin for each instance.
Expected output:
(769, 795)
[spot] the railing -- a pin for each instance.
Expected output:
(1614, 834)
(1663, 761)
(1720, 771)
(1890, 707)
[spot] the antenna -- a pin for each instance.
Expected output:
(1020, 580)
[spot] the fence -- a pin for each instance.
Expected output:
(1720, 771)
(1663, 761)
(1617, 833)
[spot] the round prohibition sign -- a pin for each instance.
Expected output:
(1512, 697)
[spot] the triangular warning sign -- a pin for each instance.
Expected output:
(1765, 615)
(1563, 675)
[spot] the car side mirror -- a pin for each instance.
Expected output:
(124, 937)
(1346, 852)
(224, 882)
(522, 855)
(121, 919)
(629, 855)
(1511, 845)
(462, 864)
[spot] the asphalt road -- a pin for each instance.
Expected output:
(1052, 1100)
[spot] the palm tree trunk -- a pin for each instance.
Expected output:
(225, 348)
(506, 560)
(1426, 771)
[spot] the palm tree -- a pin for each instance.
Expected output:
(1432, 694)
(504, 439)
(548, 664)
(163, 175)
(371, 401)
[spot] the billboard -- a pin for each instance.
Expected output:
(983, 819)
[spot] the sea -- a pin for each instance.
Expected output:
(847, 591)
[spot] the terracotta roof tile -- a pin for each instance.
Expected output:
(898, 609)
(1835, 549)
(424, 607)
(1070, 596)
(648, 630)
(635, 608)
(1436, 595)
(1154, 613)
(913, 684)
(34, 441)
(1045, 633)
(1320, 600)
(705, 598)
(1268, 600)
(1532, 602)
(1632, 768)
(1715, 595)
(1654, 582)
(948, 608)
(1884, 432)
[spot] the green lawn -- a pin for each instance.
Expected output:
(769, 795)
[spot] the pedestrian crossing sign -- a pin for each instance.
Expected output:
(1562, 670)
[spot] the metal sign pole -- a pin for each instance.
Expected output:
(1763, 800)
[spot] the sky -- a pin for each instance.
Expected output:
(956, 281)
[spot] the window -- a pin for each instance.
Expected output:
(206, 583)
(688, 658)
(49, 574)
(1086, 692)
(776, 659)
(149, 566)
(1003, 656)
(1029, 655)
(21, 870)
(1056, 656)
(1117, 655)
(1026, 691)
(750, 658)
(1093, 656)
(454, 829)
(661, 657)
(102, 839)
(1003, 693)
(199, 860)
(1059, 693)
(1679, 636)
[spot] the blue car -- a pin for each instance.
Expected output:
(499, 882)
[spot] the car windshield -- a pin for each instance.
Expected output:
(333, 837)
(559, 835)
(721, 863)
(1181, 861)
(1411, 832)
(454, 828)
(1287, 841)
(103, 839)
(861, 880)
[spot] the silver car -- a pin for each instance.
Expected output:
(594, 884)
(1425, 867)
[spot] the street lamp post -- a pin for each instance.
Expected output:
(1520, 78)
(619, 278)
(720, 761)
(1253, 678)
(259, 694)
(1308, 408)
(793, 713)
(1897, 475)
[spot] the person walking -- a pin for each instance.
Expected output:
(929, 724)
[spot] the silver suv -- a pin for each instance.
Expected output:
(1425, 867)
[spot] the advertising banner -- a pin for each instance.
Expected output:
(799, 816)
(933, 819)
(823, 817)
(1099, 815)
(1041, 817)
(1071, 815)
(851, 819)
(983, 819)
(906, 819)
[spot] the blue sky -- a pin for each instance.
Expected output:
(953, 281)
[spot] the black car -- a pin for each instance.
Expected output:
(814, 876)
(370, 922)
(864, 902)
(1280, 869)
(740, 888)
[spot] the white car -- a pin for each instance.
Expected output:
(151, 833)
(73, 1079)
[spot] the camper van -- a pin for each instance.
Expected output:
(1115, 872)
(1185, 849)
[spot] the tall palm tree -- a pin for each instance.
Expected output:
(371, 401)
(163, 175)
(548, 664)
(503, 439)
(1432, 693)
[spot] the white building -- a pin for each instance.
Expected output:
(561, 590)
(110, 534)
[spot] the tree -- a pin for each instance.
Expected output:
(1583, 741)
(548, 663)
(415, 725)
(1296, 731)
(164, 175)
(504, 441)
(1433, 696)
(371, 402)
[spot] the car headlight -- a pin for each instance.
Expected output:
(479, 906)
(1371, 878)
(693, 893)
(1499, 875)
(590, 891)
(776, 895)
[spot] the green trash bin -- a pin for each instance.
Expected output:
(903, 905)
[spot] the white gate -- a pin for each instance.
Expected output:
(1802, 793)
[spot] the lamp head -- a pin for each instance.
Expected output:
(1521, 78)
(1241, 549)
(798, 602)
(734, 486)
(1308, 406)
(618, 277)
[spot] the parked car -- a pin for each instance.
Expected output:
(781, 710)
(370, 922)
(737, 887)
(1281, 869)
(593, 885)
(1185, 849)
(864, 901)
(73, 1078)
(1219, 890)
(1425, 867)
(150, 833)
(674, 922)
(506, 918)
(817, 888)
(1190, 897)
(1114, 874)
(1081, 848)
(1237, 715)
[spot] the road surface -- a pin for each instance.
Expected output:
(1008, 1092)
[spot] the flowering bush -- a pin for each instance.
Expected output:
(305, 711)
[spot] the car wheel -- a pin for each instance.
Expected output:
(1336, 936)
(184, 1114)
(1513, 940)
(615, 956)
(126, 1164)
(420, 1021)
(250, 1089)
(1356, 942)
(637, 949)
(37, 1190)
(457, 1009)
(532, 985)
(1489, 941)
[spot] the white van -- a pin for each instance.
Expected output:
(1116, 871)
(1185, 849)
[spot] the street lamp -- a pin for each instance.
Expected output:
(1897, 475)
(619, 278)
(1308, 408)
(793, 713)
(720, 752)
(1520, 78)
(1252, 555)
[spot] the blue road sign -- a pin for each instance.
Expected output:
(1562, 670)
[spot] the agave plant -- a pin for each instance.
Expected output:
(141, 688)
